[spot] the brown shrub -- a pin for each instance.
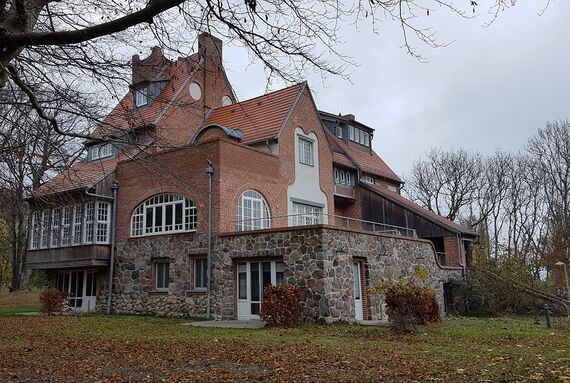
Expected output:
(282, 305)
(52, 300)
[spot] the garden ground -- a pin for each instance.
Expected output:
(114, 348)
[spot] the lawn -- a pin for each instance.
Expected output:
(19, 302)
(129, 348)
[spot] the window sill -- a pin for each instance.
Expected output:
(158, 292)
(197, 292)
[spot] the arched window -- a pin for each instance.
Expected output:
(252, 212)
(163, 214)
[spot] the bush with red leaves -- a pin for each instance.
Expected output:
(52, 300)
(282, 305)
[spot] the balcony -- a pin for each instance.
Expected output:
(344, 191)
(69, 257)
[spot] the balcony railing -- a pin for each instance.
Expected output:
(341, 222)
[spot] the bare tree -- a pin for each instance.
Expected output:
(30, 152)
(88, 42)
(445, 182)
(549, 150)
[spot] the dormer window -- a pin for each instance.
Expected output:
(97, 152)
(359, 136)
(338, 131)
(141, 97)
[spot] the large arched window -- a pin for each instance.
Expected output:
(252, 212)
(163, 214)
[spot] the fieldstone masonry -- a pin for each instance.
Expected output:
(317, 258)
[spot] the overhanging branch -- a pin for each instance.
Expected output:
(9, 68)
(154, 7)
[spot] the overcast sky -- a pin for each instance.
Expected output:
(492, 88)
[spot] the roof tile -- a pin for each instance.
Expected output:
(258, 118)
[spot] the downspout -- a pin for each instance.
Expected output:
(114, 188)
(209, 172)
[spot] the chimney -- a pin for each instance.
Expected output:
(210, 47)
(210, 50)
(149, 68)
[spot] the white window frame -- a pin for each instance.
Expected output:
(89, 222)
(343, 177)
(252, 212)
(307, 214)
(351, 132)
(77, 225)
(306, 151)
(338, 131)
(157, 207)
(66, 219)
(45, 229)
(103, 223)
(366, 139)
(369, 180)
(55, 228)
(141, 96)
(35, 237)
(80, 224)
(101, 151)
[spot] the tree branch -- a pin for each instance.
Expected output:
(154, 7)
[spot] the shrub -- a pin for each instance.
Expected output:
(282, 305)
(52, 300)
(407, 303)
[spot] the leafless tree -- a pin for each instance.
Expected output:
(445, 182)
(29, 153)
(518, 202)
(88, 42)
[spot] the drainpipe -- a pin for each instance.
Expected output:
(209, 172)
(114, 188)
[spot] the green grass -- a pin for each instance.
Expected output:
(18, 309)
(125, 348)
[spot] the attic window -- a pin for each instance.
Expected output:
(101, 151)
(338, 131)
(141, 97)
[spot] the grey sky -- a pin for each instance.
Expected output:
(492, 88)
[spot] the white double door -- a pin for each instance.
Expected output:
(81, 286)
(252, 278)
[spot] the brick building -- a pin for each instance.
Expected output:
(298, 196)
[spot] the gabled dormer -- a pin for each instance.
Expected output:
(148, 78)
(346, 128)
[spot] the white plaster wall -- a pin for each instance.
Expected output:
(307, 179)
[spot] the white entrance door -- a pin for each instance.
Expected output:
(252, 278)
(358, 310)
(89, 291)
(81, 286)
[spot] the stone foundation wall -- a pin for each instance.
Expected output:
(318, 259)
(134, 289)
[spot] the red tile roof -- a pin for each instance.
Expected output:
(125, 117)
(259, 118)
(81, 175)
(347, 155)
(430, 215)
